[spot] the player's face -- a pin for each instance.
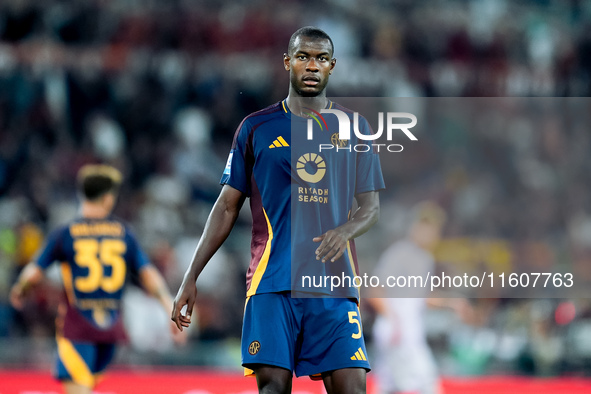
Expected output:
(309, 65)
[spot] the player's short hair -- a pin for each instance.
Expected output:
(95, 180)
(310, 32)
(429, 212)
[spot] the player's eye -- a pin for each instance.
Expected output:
(302, 57)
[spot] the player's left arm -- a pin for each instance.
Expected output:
(153, 282)
(333, 243)
(150, 278)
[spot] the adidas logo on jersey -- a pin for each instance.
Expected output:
(359, 355)
(278, 143)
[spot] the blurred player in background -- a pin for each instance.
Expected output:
(404, 363)
(318, 337)
(97, 253)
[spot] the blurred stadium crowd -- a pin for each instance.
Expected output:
(158, 87)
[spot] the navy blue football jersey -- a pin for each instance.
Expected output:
(96, 257)
(297, 192)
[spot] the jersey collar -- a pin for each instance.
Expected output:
(287, 111)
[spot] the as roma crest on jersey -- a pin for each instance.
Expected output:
(336, 142)
(254, 347)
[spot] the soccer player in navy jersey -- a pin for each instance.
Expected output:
(303, 222)
(97, 253)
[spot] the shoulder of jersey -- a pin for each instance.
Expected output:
(268, 111)
(342, 108)
(126, 225)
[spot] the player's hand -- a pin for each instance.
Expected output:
(333, 244)
(179, 338)
(17, 296)
(186, 295)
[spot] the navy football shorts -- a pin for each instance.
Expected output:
(82, 362)
(306, 335)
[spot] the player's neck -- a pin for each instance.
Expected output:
(91, 210)
(298, 104)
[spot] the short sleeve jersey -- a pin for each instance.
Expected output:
(297, 192)
(96, 257)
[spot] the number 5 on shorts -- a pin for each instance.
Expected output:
(353, 320)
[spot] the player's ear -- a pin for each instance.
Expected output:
(332, 64)
(108, 200)
(286, 59)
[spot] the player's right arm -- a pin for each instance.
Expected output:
(33, 273)
(219, 224)
(29, 277)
